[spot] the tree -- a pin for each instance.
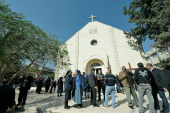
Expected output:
(152, 21)
(22, 42)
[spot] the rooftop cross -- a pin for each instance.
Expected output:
(92, 17)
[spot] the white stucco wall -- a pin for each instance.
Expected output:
(112, 48)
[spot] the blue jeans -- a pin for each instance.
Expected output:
(161, 93)
(109, 89)
(118, 88)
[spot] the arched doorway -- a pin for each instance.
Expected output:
(96, 64)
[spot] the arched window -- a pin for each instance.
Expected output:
(95, 64)
(94, 42)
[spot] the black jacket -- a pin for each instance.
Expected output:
(167, 75)
(110, 79)
(160, 81)
(7, 97)
(92, 80)
(117, 80)
(28, 83)
(143, 75)
(60, 83)
(68, 82)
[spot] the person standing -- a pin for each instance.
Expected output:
(7, 96)
(144, 78)
(110, 88)
(39, 85)
(87, 90)
(92, 82)
(79, 87)
(60, 86)
(118, 84)
(100, 84)
(47, 84)
(68, 87)
(167, 74)
(25, 85)
(160, 86)
(53, 85)
(15, 83)
(127, 81)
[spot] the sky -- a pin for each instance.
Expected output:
(65, 17)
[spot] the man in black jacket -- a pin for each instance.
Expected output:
(167, 74)
(25, 85)
(100, 84)
(7, 96)
(92, 82)
(143, 77)
(160, 86)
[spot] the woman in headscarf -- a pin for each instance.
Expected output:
(68, 87)
(60, 86)
(80, 85)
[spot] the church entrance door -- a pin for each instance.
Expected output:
(95, 64)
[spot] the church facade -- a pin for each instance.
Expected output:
(101, 46)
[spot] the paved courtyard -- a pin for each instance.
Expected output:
(50, 103)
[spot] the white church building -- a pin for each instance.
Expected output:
(101, 46)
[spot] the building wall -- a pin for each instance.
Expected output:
(112, 48)
(155, 56)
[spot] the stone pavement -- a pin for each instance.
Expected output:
(50, 103)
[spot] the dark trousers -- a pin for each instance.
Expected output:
(101, 87)
(22, 96)
(38, 90)
(52, 89)
(66, 103)
(162, 96)
(93, 96)
(169, 89)
(47, 87)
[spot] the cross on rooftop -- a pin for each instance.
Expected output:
(92, 17)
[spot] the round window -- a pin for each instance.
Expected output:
(94, 42)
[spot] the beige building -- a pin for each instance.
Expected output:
(101, 46)
(158, 57)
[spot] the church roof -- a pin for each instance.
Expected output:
(92, 22)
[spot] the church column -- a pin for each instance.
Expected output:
(115, 53)
(77, 51)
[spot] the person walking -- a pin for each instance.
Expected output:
(7, 96)
(160, 86)
(127, 81)
(100, 84)
(92, 82)
(68, 87)
(39, 85)
(110, 88)
(25, 85)
(47, 84)
(144, 78)
(53, 86)
(80, 85)
(118, 84)
(60, 86)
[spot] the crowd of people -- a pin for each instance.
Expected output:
(24, 84)
(147, 80)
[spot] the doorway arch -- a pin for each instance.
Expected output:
(97, 64)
